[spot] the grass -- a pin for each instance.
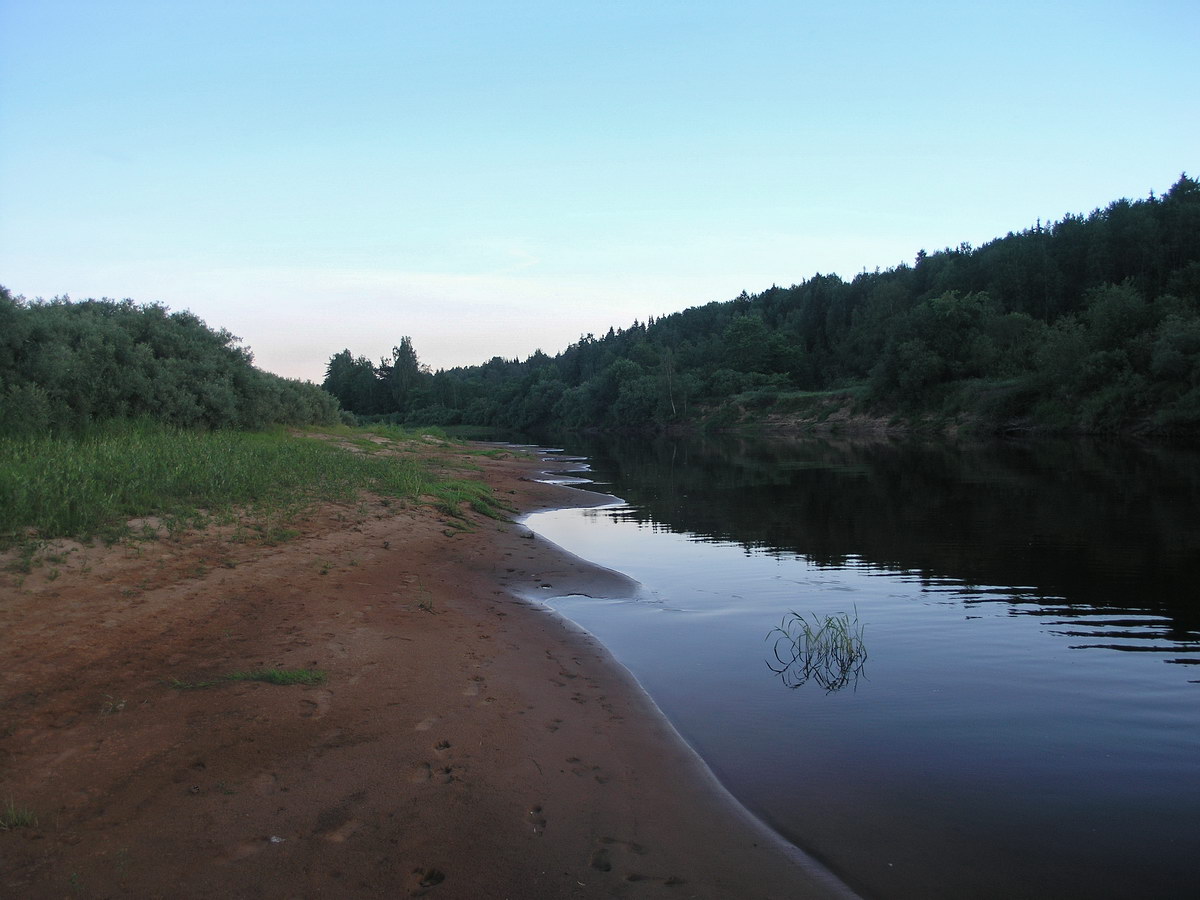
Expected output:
(13, 817)
(426, 601)
(26, 558)
(450, 495)
(828, 650)
(93, 484)
(269, 676)
(279, 676)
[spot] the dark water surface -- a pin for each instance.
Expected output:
(1027, 719)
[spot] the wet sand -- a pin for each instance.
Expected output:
(468, 743)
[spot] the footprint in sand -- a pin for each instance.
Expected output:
(669, 881)
(341, 833)
(336, 823)
(613, 715)
(537, 819)
(474, 686)
(363, 671)
(428, 773)
(632, 846)
(241, 851)
(420, 881)
(316, 705)
(580, 769)
(610, 852)
(265, 784)
(421, 774)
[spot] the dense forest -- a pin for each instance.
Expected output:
(65, 366)
(1091, 323)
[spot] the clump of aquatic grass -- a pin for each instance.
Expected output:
(92, 484)
(828, 650)
(12, 816)
(269, 676)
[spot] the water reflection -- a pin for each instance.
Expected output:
(1084, 527)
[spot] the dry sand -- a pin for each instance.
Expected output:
(467, 743)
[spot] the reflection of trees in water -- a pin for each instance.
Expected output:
(1074, 522)
(828, 650)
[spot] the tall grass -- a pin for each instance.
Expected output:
(91, 484)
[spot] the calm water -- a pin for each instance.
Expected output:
(1027, 719)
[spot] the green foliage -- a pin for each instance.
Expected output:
(355, 384)
(65, 366)
(402, 374)
(25, 409)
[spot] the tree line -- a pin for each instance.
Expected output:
(66, 365)
(1089, 323)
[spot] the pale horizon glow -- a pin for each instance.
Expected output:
(495, 179)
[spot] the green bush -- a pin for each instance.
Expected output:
(65, 366)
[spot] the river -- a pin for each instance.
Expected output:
(1020, 715)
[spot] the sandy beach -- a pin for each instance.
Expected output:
(467, 742)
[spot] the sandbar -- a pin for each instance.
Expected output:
(468, 742)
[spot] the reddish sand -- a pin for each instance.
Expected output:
(466, 744)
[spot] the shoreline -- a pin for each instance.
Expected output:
(615, 584)
(469, 741)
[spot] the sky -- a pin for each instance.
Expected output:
(494, 178)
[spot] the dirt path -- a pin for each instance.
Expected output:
(466, 743)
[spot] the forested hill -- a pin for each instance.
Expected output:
(1090, 323)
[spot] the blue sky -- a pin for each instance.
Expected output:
(494, 178)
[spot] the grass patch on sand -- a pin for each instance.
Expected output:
(91, 484)
(269, 676)
(279, 676)
(12, 816)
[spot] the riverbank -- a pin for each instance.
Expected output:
(465, 743)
